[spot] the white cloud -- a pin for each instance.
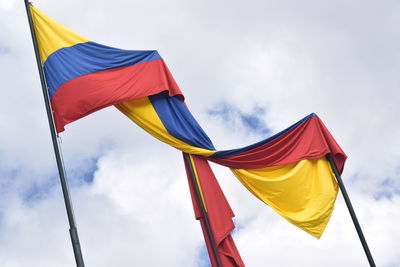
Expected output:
(338, 59)
(267, 239)
(7, 5)
(136, 213)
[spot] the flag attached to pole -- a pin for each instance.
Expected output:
(287, 171)
(83, 76)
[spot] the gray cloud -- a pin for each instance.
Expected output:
(235, 118)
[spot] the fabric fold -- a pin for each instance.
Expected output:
(287, 171)
(303, 193)
(218, 211)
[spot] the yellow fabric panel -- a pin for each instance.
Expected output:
(51, 35)
(304, 193)
(141, 112)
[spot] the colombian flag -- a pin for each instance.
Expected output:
(288, 171)
(83, 76)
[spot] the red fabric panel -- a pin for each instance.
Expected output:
(228, 253)
(88, 93)
(309, 140)
(219, 214)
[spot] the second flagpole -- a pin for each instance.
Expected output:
(196, 186)
(351, 211)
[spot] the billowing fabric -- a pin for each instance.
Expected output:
(83, 76)
(143, 113)
(303, 192)
(287, 171)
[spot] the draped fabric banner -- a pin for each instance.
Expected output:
(218, 211)
(287, 171)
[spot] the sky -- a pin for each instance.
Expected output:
(248, 69)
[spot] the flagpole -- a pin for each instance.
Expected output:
(202, 207)
(57, 149)
(351, 210)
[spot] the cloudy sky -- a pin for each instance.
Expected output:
(248, 69)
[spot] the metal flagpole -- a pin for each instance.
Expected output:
(202, 207)
(351, 210)
(57, 149)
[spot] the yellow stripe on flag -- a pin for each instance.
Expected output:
(304, 193)
(142, 112)
(51, 35)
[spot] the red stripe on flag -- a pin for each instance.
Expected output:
(88, 93)
(310, 140)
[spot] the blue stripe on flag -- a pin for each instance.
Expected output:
(232, 152)
(178, 120)
(71, 62)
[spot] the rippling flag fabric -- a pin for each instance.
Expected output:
(287, 171)
(83, 76)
